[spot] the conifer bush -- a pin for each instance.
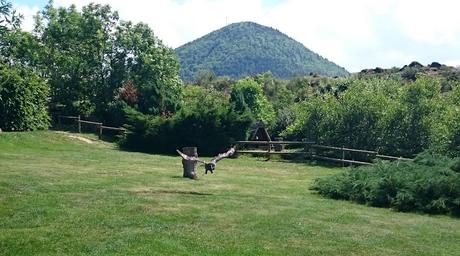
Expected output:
(206, 120)
(429, 184)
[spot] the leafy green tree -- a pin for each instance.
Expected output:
(89, 54)
(142, 58)
(23, 94)
(362, 108)
(408, 126)
(16, 46)
(76, 56)
(280, 97)
(204, 78)
(197, 98)
(445, 127)
(23, 99)
(9, 18)
(72, 57)
(247, 95)
(388, 115)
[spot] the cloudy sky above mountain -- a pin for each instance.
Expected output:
(355, 34)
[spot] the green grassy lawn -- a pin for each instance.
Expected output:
(63, 196)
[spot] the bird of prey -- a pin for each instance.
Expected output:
(211, 165)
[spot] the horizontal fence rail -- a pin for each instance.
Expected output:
(89, 122)
(275, 142)
(313, 151)
(68, 117)
(345, 149)
(393, 157)
(113, 128)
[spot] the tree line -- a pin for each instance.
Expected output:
(89, 62)
(88, 59)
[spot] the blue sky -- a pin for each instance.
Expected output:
(41, 3)
(355, 34)
(28, 2)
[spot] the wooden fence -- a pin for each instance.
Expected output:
(312, 151)
(99, 126)
(303, 148)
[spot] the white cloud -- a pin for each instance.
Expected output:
(432, 22)
(454, 63)
(356, 34)
(28, 12)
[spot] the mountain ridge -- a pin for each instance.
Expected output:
(248, 48)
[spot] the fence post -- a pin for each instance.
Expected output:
(79, 124)
(100, 131)
(309, 149)
(343, 157)
(59, 122)
(306, 149)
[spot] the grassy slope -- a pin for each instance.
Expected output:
(59, 195)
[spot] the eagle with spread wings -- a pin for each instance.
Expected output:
(211, 165)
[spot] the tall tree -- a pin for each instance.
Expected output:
(91, 54)
(76, 48)
(142, 58)
(247, 94)
(10, 22)
(23, 93)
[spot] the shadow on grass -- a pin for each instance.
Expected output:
(180, 192)
(301, 160)
(319, 163)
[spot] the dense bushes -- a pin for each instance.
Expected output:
(211, 131)
(430, 184)
(389, 115)
(206, 121)
(23, 99)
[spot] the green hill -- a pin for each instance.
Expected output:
(248, 48)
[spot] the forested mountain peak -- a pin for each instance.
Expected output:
(247, 48)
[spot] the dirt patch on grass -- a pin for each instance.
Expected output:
(78, 137)
(86, 140)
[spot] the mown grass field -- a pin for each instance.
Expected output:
(63, 196)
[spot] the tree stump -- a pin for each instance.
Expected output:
(189, 165)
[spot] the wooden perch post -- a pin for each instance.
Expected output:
(189, 165)
(190, 160)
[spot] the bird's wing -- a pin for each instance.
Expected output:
(221, 156)
(190, 158)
